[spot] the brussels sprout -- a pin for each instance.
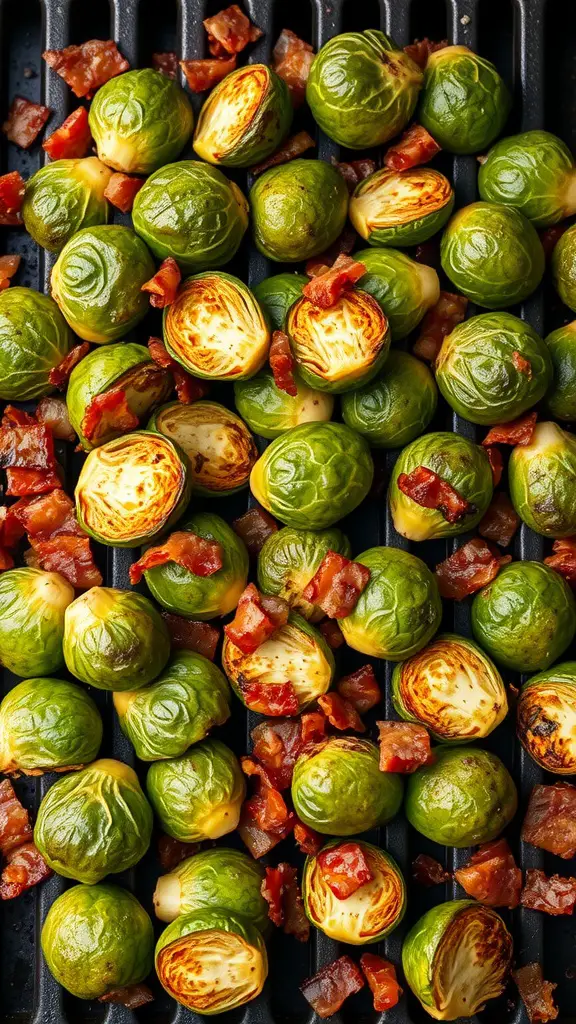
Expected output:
(64, 197)
(564, 267)
(492, 254)
(404, 288)
(94, 822)
(542, 481)
(464, 103)
(140, 120)
(223, 878)
(32, 606)
(535, 173)
(479, 373)
(456, 957)
(115, 639)
(545, 718)
(132, 489)
(97, 938)
(269, 411)
(276, 294)
(313, 475)
(561, 397)
(289, 559)
(34, 338)
(525, 618)
(401, 207)
(400, 609)
(211, 960)
(452, 688)
(191, 212)
(199, 795)
(298, 209)
(338, 788)
(466, 796)
(371, 913)
(362, 89)
(396, 407)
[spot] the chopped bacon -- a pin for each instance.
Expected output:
(295, 921)
(312, 728)
(24, 868)
(27, 447)
(276, 745)
(253, 769)
(552, 895)
(500, 522)
(6, 560)
(355, 171)
(326, 289)
(172, 852)
(267, 808)
(202, 75)
(429, 490)
(522, 364)
(188, 635)
(53, 413)
(340, 712)
(344, 869)
(381, 977)
(336, 584)
(404, 747)
(550, 237)
(309, 841)
(130, 996)
(344, 244)
(25, 121)
(258, 841)
(518, 431)
(166, 63)
(290, 150)
(13, 417)
(438, 322)
(271, 889)
(282, 363)
(563, 559)
(257, 617)
(47, 516)
(230, 31)
(8, 267)
(270, 698)
(491, 876)
(550, 822)
(12, 188)
(254, 527)
(164, 285)
(415, 147)
(11, 528)
(281, 891)
(15, 827)
(427, 871)
(332, 633)
(536, 993)
(22, 482)
(200, 556)
(121, 191)
(292, 60)
(108, 413)
(469, 568)
(421, 49)
(59, 375)
(72, 139)
(71, 556)
(188, 388)
(361, 689)
(496, 465)
(330, 987)
(88, 66)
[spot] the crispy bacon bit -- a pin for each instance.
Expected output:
(130, 996)
(28, 447)
(200, 556)
(345, 869)
(341, 713)
(258, 841)
(336, 585)
(72, 557)
(8, 267)
(496, 465)
(271, 889)
(202, 75)
(421, 49)
(25, 121)
(15, 827)
(267, 809)
(292, 148)
(188, 388)
(550, 822)
(500, 522)
(253, 769)
(24, 868)
(164, 285)
(415, 147)
(518, 431)
(72, 139)
(277, 744)
(309, 841)
(326, 289)
(230, 31)
(275, 699)
(257, 617)
(429, 490)
(295, 921)
(312, 728)
(469, 568)
(88, 66)
(187, 635)
(13, 417)
(292, 60)
(355, 171)
(522, 365)
(491, 876)
(166, 63)
(172, 852)
(285, 908)
(121, 191)
(438, 322)
(344, 244)
(428, 872)
(282, 363)
(550, 236)
(552, 895)
(22, 482)
(332, 633)
(11, 528)
(47, 516)
(59, 375)
(563, 559)
(536, 993)
(12, 188)
(327, 990)
(361, 689)
(404, 747)
(381, 977)
(254, 527)
(53, 413)
(107, 413)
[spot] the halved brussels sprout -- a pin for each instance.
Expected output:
(561, 397)
(535, 173)
(466, 796)
(545, 717)
(220, 877)
(115, 639)
(94, 822)
(525, 618)
(32, 606)
(97, 938)
(564, 267)
(191, 212)
(404, 288)
(34, 338)
(542, 481)
(289, 559)
(269, 411)
(362, 88)
(371, 913)
(397, 406)
(492, 368)
(456, 957)
(199, 795)
(277, 293)
(62, 198)
(313, 475)
(452, 688)
(401, 207)
(132, 489)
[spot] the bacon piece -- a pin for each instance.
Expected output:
(257, 617)
(271, 890)
(12, 188)
(15, 827)
(230, 31)
(258, 841)
(270, 698)
(27, 447)
(164, 285)
(437, 323)
(60, 375)
(536, 993)
(24, 868)
(563, 559)
(491, 876)
(327, 990)
(254, 527)
(381, 977)
(253, 769)
(496, 465)
(188, 635)
(345, 869)
(53, 413)
(518, 431)
(205, 74)
(355, 171)
(421, 49)
(337, 585)
(267, 809)
(72, 139)
(522, 364)
(200, 556)
(11, 528)
(107, 413)
(166, 63)
(121, 191)
(276, 745)
(326, 289)
(415, 147)
(469, 568)
(552, 895)
(172, 852)
(282, 363)
(550, 236)
(294, 147)
(188, 388)
(312, 728)
(47, 516)
(500, 522)
(360, 689)
(285, 907)
(13, 417)
(25, 121)
(344, 244)
(427, 871)
(70, 556)
(429, 490)
(550, 822)
(8, 267)
(309, 841)
(332, 633)
(22, 482)
(404, 747)
(295, 921)
(88, 66)
(130, 996)
(341, 713)
(291, 60)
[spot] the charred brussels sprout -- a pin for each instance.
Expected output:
(535, 173)
(64, 197)
(223, 878)
(34, 338)
(269, 411)
(32, 607)
(542, 481)
(396, 407)
(545, 718)
(561, 398)
(289, 559)
(404, 288)
(564, 267)
(401, 207)
(277, 293)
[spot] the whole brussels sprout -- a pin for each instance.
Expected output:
(313, 475)
(62, 198)
(339, 790)
(34, 338)
(466, 796)
(298, 209)
(223, 878)
(277, 293)
(492, 368)
(199, 795)
(396, 407)
(399, 610)
(401, 207)
(561, 397)
(464, 103)
(564, 267)
(94, 822)
(32, 607)
(535, 173)
(542, 481)
(545, 718)
(525, 618)
(140, 120)
(97, 938)
(191, 212)
(404, 288)
(289, 559)
(115, 639)
(492, 254)
(362, 88)
(269, 411)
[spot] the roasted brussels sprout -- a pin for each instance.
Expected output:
(561, 397)
(492, 254)
(96, 938)
(535, 173)
(62, 198)
(401, 207)
(94, 822)
(289, 559)
(362, 89)
(404, 288)
(542, 481)
(466, 796)
(339, 790)
(32, 607)
(313, 475)
(396, 406)
(269, 411)
(525, 618)
(545, 718)
(115, 639)
(191, 212)
(223, 878)
(564, 267)
(34, 338)
(277, 293)
(298, 209)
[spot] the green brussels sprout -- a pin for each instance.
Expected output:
(463, 464)
(564, 267)
(526, 617)
(298, 209)
(62, 198)
(535, 173)
(289, 559)
(97, 938)
(191, 212)
(545, 717)
(561, 397)
(401, 207)
(115, 639)
(492, 368)
(371, 913)
(492, 254)
(276, 294)
(132, 489)
(542, 481)
(452, 688)
(269, 411)
(339, 790)
(362, 88)
(140, 120)
(32, 606)
(404, 288)
(34, 338)
(399, 610)
(221, 877)
(466, 796)
(456, 957)
(396, 407)
(464, 103)
(94, 822)
(313, 475)
(198, 795)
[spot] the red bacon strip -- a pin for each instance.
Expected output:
(13, 417)
(496, 464)
(344, 869)
(500, 522)
(202, 75)
(26, 447)
(200, 556)
(276, 745)
(421, 49)
(88, 66)
(563, 559)
(230, 31)
(381, 977)
(427, 871)
(25, 867)
(60, 375)
(294, 147)
(270, 698)
(25, 121)
(188, 635)
(70, 556)
(11, 529)
(72, 139)
(415, 147)
(285, 907)
(107, 413)
(360, 689)
(254, 527)
(47, 516)
(309, 841)
(188, 388)
(258, 841)
(15, 827)
(552, 894)
(257, 617)
(340, 712)
(429, 490)
(437, 323)
(12, 188)
(327, 990)
(166, 63)
(337, 585)
(536, 993)
(404, 747)
(130, 996)
(469, 568)
(8, 267)
(22, 482)
(292, 60)
(312, 728)
(164, 285)
(326, 289)
(282, 363)
(121, 191)
(267, 809)
(518, 431)
(550, 822)
(332, 633)
(492, 876)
